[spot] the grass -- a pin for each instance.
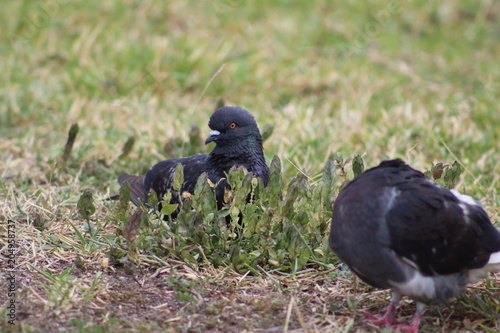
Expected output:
(416, 80)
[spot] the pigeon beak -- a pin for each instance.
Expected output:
(212, 137)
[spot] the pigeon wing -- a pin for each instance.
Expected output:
(432, 228)
(161, 176)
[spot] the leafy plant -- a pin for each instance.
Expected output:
(86, 208)
(451, 174)
(269, 227)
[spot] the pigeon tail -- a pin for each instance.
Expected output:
(493, 265)
(138, 194)
(494, 258)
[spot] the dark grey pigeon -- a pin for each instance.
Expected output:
(237, 143)
(398, 230)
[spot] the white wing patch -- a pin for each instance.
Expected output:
(391, 196)
(465, 202)
(465, 209)
(465, 198)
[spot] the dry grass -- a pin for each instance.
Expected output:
(174, 297)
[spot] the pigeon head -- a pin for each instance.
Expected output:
(237, 143)
(233, 126)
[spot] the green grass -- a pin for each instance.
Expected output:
(416, 80)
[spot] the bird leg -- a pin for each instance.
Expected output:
(388, 318)
(415, 322)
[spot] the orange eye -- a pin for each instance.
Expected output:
(233, 125)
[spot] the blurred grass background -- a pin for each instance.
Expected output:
(383, 79)
(412, 79)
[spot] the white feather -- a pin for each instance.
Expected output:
(418, 286)
(465, 210)
(391, 196)
(465, 198)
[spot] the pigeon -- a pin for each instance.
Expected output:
(398, 230)
(238, 142)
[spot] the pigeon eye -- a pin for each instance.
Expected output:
(233, 125)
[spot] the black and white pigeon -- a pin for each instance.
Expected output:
(238, 142)
(398, 230)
